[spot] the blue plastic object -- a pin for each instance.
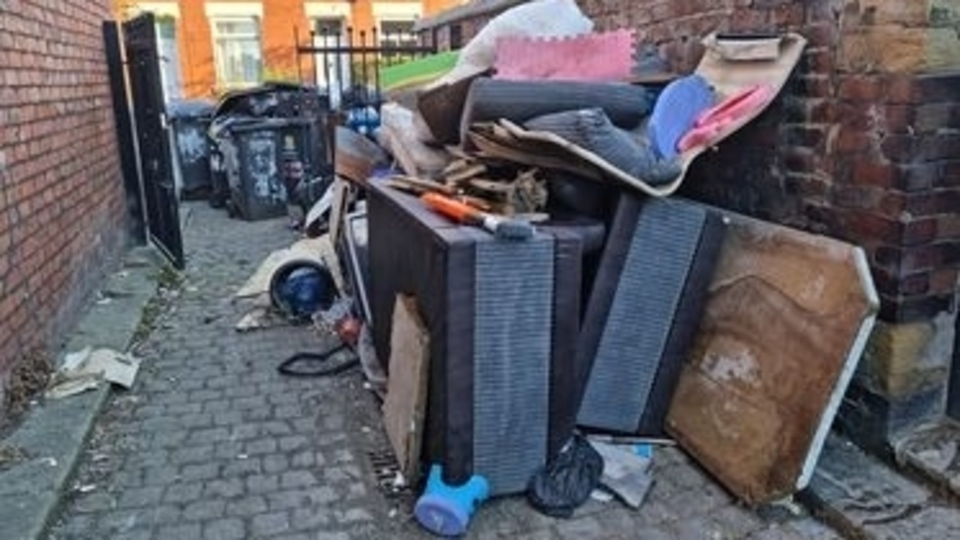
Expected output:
(445, 510)
(676, 109)
(301, 288)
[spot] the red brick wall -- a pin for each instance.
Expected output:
(861, 145)
(61, 195)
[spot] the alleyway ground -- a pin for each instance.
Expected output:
(213, 443)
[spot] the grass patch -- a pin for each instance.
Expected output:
(169, 281)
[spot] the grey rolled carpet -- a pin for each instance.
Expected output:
(592, 129)
(625, 105)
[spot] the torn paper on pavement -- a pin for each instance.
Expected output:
(84, 370)
(625, 473)
(315, 249)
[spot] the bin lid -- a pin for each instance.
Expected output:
(259, 101)
(189, 108)
(243, 124)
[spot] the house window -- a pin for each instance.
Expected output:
(237, 51)
(397, 33)
(333, 68)
(456, 36)
(169, 60)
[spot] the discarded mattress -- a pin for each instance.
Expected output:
(786, 318)
(644, 307)
(501, 335)
(728, 75)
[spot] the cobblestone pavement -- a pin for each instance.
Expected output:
(213, 443)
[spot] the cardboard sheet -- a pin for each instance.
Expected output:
(404, 408)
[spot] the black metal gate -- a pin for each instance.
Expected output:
(143, 70)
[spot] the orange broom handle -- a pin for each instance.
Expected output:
(451, 208)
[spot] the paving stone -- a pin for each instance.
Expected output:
(209, 436)
(304, 459)
(204, 509)
(298, 478)
(94, 502)
(242, 467)
(203, 471)
(270, 524)
(170, 439)
(224, 489)
(227, 418)
(295, 442)
(183, 493)
(263, 483)
(275, 463)
(141, 497)
(230, 450)
(192, 454)
(183, 409)
(275, 428)
(224, 529)
(190, 531)
(288, 499)
(328, 535)
(247, 506)
(261, 446)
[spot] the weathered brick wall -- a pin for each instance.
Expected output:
(857, 146)
(279, 51)
(61, 195)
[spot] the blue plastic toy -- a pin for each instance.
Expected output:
(446, 510)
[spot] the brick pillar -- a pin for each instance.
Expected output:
(195, 47)
(279, 46)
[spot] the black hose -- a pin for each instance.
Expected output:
(316, 364)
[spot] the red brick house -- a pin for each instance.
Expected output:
(213, 45)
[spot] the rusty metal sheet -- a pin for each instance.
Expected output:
(787, 316)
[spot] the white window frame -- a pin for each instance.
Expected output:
(217, 38)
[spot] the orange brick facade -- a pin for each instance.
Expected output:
(195, 48)
(61, 192)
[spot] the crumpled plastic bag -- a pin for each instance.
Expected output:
(565, 483)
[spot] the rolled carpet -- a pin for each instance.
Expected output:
(592, 130)
(518, 101)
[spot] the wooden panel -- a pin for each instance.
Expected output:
(786, 319)
(405, 405)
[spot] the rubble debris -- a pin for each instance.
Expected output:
(86, 369)
(398, 135)
(11, 455)
(626, 472)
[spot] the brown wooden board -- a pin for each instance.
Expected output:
(404, 408)
(786, 319)
(357, 156)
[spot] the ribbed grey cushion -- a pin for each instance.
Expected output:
(518, 101)
(638, 326)
(511, 365)
(591, 129)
